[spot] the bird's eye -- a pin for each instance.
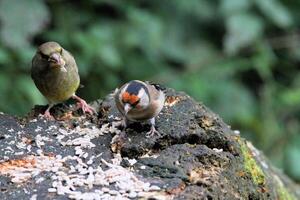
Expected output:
(60, 51)
(44, 56)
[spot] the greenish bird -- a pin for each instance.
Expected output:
(55, 73)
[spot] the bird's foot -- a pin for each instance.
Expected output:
(124, 123)
(121, 124)
(86, 108)
(47, 115)
(152, 132)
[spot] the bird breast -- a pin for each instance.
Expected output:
(151, 111)
(57, 85)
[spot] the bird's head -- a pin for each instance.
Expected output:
(52, 53)
(135, 96)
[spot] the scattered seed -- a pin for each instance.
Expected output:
(51, 190)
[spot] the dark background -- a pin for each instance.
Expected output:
(239, 57)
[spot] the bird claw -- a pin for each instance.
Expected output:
(124, 123)
(152, 132)
(47, 115)
(86, 108)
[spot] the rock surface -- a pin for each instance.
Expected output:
(197, 156)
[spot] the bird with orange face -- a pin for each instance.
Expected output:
(140, 101)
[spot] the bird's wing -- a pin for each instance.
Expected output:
(156, 85)
(155, 90)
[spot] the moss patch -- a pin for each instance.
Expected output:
(283, 193)
(251, 165)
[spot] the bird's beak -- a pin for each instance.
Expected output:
(127, 108)
(56, 60)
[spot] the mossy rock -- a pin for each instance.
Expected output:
(197, 156)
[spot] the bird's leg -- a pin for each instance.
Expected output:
(83, 105)
(152, 131)
(47, 113)
(124, 123)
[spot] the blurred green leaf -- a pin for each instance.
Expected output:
(4, 81)
(264, 59)
(200, 9)
(276, 12)
(290, 97)
(21, 20)
(145, 30)
(26, 55)
(292, 161)
(4, 56)
(234, 98)
(231, 7)
(98, 44)
(242, 31)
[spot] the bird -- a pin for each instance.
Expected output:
(140, 101)
(55, 73)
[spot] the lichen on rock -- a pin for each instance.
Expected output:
(251, 165)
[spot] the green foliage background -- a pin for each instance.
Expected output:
(239, 57)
